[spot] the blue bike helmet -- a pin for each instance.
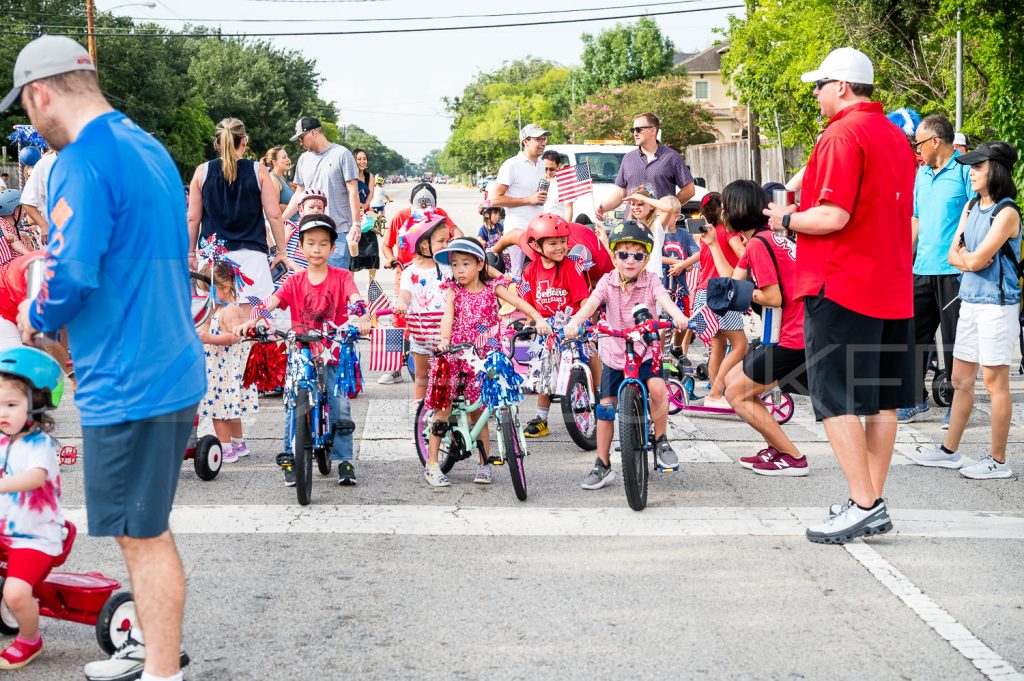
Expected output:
(10, 199)
(41, 371)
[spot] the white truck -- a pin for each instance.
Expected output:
(604, 159)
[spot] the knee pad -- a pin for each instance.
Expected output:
(439, 428)
(344, 427)
(605, 412)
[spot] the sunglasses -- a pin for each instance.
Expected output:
(637, 130)
(819, 84)
(551, 170)
(624, 256)
(917, 145)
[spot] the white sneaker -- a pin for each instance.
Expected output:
(936, 458)
(850, 523)
(391, 378)
(987, 469)
(126, 664)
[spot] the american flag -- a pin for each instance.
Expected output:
(386, 349)
(705, 324)
(573, 182)
(259, 308)
(692, 277)
(378, 299)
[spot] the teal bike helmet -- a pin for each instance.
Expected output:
(41, 371)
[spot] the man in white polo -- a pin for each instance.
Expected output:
(517, 187)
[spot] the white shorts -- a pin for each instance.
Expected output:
(986, 334)
(254, 265)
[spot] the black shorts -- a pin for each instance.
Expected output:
(131, 473)
(766, 364)
(611, 379)
(857, 364)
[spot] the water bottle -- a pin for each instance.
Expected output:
(35, 275)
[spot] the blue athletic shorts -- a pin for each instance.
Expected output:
(611, 379)
(131, 473)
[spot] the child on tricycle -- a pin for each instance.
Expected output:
(31, 522)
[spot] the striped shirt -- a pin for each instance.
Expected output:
(294, 251)
(619, 306)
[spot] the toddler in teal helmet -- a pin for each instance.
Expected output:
(31, 521)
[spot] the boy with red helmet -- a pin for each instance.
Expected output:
(551, 285)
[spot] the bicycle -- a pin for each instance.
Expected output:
(563, 372)
(458, 432)
(636, 428)
(308, 422)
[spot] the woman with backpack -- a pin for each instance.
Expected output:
(771, 260)
(986, 249)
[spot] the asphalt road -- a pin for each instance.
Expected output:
(394, 580)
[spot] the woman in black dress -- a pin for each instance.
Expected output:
(369, 251)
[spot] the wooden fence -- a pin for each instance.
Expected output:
(721, 163)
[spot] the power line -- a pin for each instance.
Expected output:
(301, 20)
(429, 29)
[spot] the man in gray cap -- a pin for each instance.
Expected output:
(518, 187)
(117, 256)
(331, 168)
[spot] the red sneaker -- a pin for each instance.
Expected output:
(20, 653)
(763, 455)
(782, 464)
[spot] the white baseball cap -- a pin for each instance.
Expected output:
(960, 138)
(533, 130)
(48, 55)
(845, 64)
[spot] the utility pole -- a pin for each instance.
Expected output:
(959, 73)
(90, 17)
(753, 135)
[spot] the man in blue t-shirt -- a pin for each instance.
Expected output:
(117, 277)
(941, 190)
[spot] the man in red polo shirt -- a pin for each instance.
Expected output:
(854, 275)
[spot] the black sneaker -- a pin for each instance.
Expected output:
(289, 477)
(681, 358)
(346, 473)
(665, 455)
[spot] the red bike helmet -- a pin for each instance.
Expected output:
(544, 226)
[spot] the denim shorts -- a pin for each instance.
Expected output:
(131, 473)
(611, 378)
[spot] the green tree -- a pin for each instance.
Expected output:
(432, 161)
(911, 47)
(623, 54)
(485, 129)
(609, 113)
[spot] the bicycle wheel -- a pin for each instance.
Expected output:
(781, 407)
(676, 395)
(942, 389)
(323, 454)
(515, 453)
(632, 423)
(303, 449)
(578, 411)
(424, 419)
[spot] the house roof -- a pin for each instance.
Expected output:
(707, 61)
(680, 57)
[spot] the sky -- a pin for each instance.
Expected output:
(392, 85)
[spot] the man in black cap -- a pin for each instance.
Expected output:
(332, 169)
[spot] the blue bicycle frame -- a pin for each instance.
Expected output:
(303, 373)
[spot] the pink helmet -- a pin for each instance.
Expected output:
(311, 194)
(415, 231)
